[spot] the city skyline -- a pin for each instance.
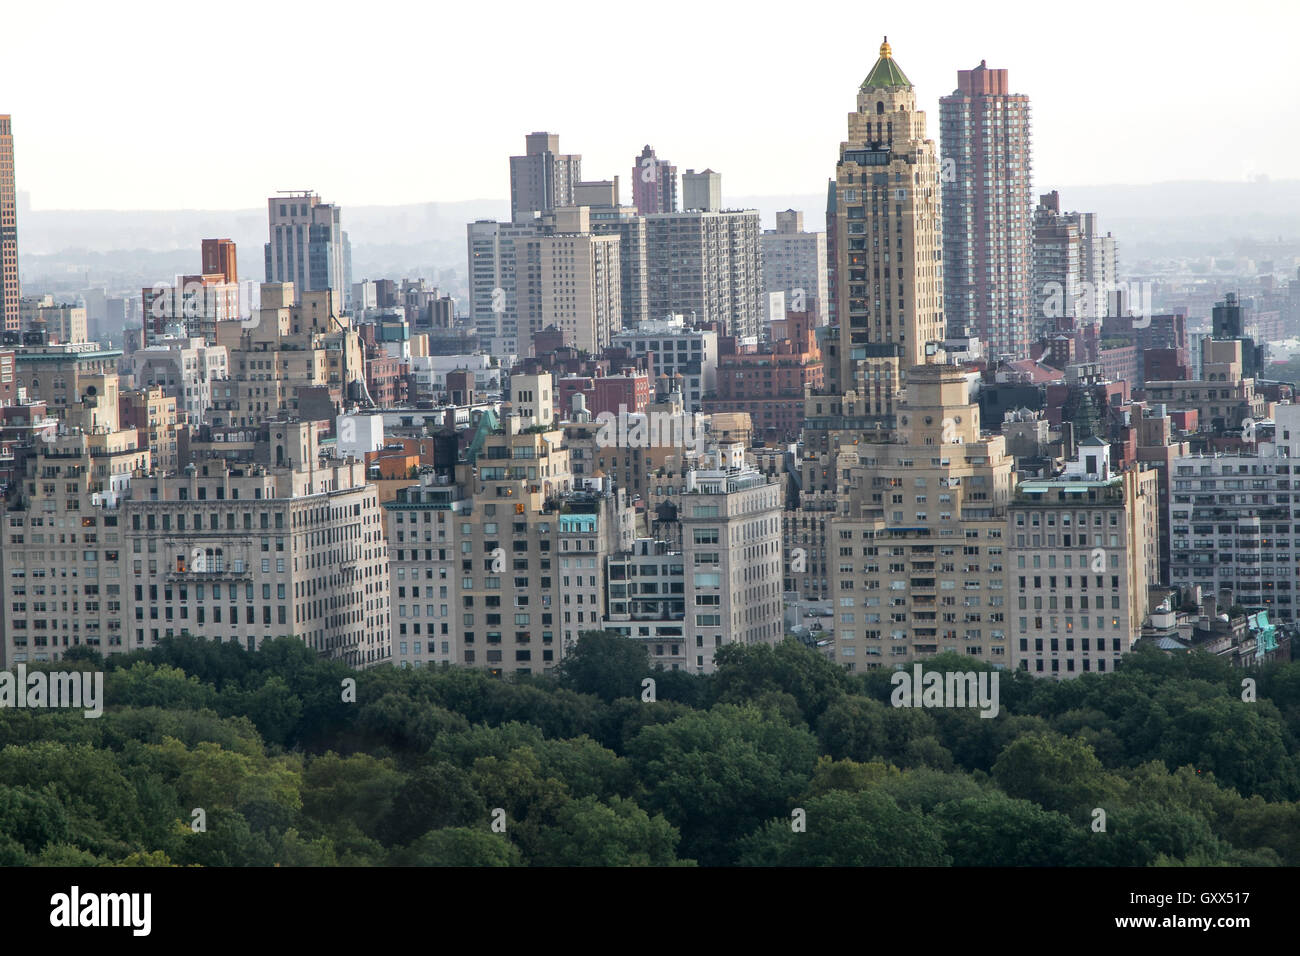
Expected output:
(1089, 128)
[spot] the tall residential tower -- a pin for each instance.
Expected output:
(542, 178)
(9, 320)
(884, 264)
(306, 246)
(988, 210)
(654, 184)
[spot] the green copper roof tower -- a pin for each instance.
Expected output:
(886, 73)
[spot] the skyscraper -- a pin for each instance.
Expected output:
(542, 178)
(1056, 265)
(1074, 267)
(572, 280)
(654, 184)
(709, 264)
(794, 263)
(702, 190)
(885, 271)
(987, 210)
(306, 246)
(9, 320)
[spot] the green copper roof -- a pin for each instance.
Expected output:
(886, 72)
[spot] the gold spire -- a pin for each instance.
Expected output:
(885, 52)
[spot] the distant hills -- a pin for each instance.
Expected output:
(1174, 218)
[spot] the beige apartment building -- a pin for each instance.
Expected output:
(1084, 548)
(65, 323)
(247, 551)
(725, 517)
(1222, 399)
(61, 556)
(794, 263)
(917, 555)
(532, 550)
(424, 571)
(64, 376)
(291, 346)
(571, 278)
(884, 240)
(153, 414)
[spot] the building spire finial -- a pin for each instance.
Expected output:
(884, 49)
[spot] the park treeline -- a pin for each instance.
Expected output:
(207, 754)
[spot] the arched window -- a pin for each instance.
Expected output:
(880, 107)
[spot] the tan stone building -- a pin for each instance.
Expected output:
(423, 519)
(917, 555)
(153, 414)
(247, 551)
(291, 346)
(884, 240)
(61, 560)
(571, 278)
(532, 551)
(64, 376)
(1084, 548)
(726, 519)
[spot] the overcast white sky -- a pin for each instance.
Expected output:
(152, 105)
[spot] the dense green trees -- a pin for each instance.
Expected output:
(209, 755)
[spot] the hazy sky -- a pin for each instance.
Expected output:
(156, 106)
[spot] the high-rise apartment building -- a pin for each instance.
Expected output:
(717, 579)
(1057, 261)
(306, 246)
(1232, 522)
(654, 184)
(543, 178)
(296, 353)
(571, 279)
(1074, 267)
(885, 270)
(243, 551)
(1083, 550)
(62, 536)
(707, 266)
(917, 555)
(493, 287)
(424, 571)
(1099, 265)
(987, 211)
(9, 291)
(64, 548)
(794, 263)
(702, 191)
(609, 218)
